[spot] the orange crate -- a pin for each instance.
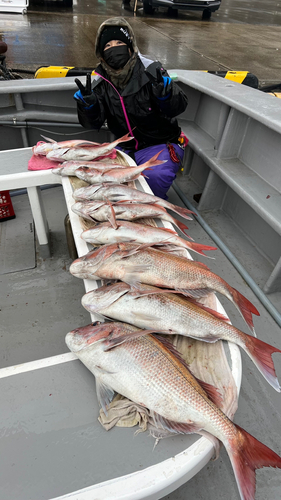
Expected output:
(6, 207)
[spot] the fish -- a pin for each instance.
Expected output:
(148, 372)
(134, 264)
(174, 314)
(121, 192)
(126, 231)
(69, 167)
(119, 175)
(102, 211)
(89, 153)
(43, 148)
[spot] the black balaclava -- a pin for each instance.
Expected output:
(116, 57)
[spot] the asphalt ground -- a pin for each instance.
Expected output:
(242, 35)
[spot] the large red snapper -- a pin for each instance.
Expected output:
(102, 211)
(120, 175)
(43, 148)
(85, 153)
(148, 373)
(133, 264)
(121, 192)
(104, 233)
(173, 314)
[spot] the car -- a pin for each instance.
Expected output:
(207, 7)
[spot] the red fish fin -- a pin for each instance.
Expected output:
(198, 248)
(105, 394)
(214, 313)
(112, 343)
(248, 454)
(202, 265)
(153, 161)
(183, 212)
(49, 140)
(182, 227)
(174, 427)
(168, 230)
(245, 307)
(212, 392)
(126, 137)
(112, 217)
(260, 353)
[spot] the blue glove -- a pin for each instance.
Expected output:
(85, 94)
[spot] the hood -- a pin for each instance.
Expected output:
(115, 21)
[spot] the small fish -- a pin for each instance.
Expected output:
(44, 148)
(89, 153)
(121, 192)
(119, 175)
(102, 211)
(69, 167)
(134, 264)
(153, 308)
(149, 372)
(126, 231)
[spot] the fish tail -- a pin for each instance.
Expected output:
(153, 161)
(245, 307)
(198, 248)
(248, 454)
(126, 137)
(182, 227)
(261, 353)
(183, 212)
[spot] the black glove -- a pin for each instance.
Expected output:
(161, 85)
(85, 94)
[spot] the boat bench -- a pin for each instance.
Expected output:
(233, 157)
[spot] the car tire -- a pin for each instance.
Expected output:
(206, 14)
(147, 7)
(172, 12)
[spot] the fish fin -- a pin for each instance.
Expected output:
(105, 394)
(212, 392)
(112, 343)
(131, 274)
(168, 230)
(182, 227)
(124, 138)
(260, 353)
(183, 212)
(214, 313)
(245, 307)
(247, 454)
(215, 442)
(112, 217)
(145, 317)
(189, 427)
(153, 161)
(198, 248)
(210, 339)
(103, 297)
(48, 139)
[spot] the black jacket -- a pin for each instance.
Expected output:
(153, 120)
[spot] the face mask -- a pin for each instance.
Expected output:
(117, 57)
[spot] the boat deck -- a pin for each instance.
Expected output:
(40, 303)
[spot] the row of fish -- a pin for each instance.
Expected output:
(156, 292)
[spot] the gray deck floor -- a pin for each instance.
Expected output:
(38, 307)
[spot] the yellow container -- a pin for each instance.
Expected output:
(61, 71)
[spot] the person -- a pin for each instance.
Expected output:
(134, 94)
